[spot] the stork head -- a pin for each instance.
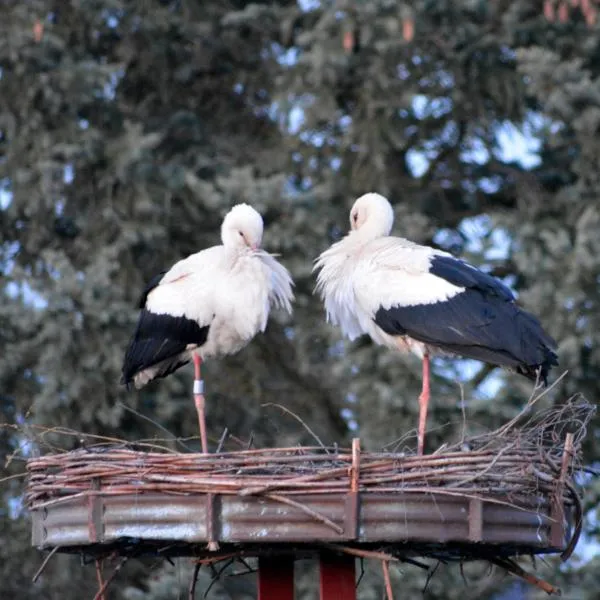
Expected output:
(242, 228)
(372, 215)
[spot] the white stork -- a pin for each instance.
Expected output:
(209, 304)
(411, 297)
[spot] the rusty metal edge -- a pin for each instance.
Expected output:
(382, 518)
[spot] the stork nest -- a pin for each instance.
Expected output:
(511, 465)
(528, 464)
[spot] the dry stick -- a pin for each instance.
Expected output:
(93, 460)
(532, 400)
(309, 511)
(44, 563)
(358, 552)
(192, 590)
(71, 432)
(238, 485)
(209, 560)
(217, 576)
(567, 459)
(249, 569)
(311, 477)
(463, 431)
(100, 594)
(16, 476)
(568, 551)
(222, 440)
(182, 485)
(355, 469)
(99, 579)
(289, 412)
(557, 530)
(385, 565)
(515, 569)
(153, 422)
(480, 474)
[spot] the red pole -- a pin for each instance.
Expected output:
(337, 577)
(276, 578)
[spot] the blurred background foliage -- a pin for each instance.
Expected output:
(129, 128)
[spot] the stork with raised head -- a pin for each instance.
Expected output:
(411, 297)
(209, 304)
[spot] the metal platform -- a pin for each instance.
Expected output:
(145, 522)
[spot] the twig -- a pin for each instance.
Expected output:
(430, 576)
(222, 440)
(212, 559)
(295, 416)
(362, 571)
(416, 563)
(463, 430)
(480, 474)
(173, 437)
(385, 565)
(44, 563)
(515, 569)
(100, 594)
(532, 400)
(217, 576)
(9, 477)
(309, 511)
(192, 589)
(355, 469)
(568, 551)
(248, 569)
(71, 432)
(359, 552)
(99, 578)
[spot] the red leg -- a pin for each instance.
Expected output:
(199, 401)
(423, 403)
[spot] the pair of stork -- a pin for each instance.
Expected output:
(403, 295)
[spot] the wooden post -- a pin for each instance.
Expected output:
(337, 577)
(276, 578)
(557, 529)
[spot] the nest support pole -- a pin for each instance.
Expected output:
(336, 577)
(276, 578)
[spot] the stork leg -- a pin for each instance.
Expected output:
(199, 401)
(423, 404)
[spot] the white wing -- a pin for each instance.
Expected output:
(188, 288)
(394, 272)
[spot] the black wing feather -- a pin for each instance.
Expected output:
(158, 338)
(462, 274)
(482, 322)
(149, 287)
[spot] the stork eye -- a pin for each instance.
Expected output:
(355, 217)
(241, 233)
